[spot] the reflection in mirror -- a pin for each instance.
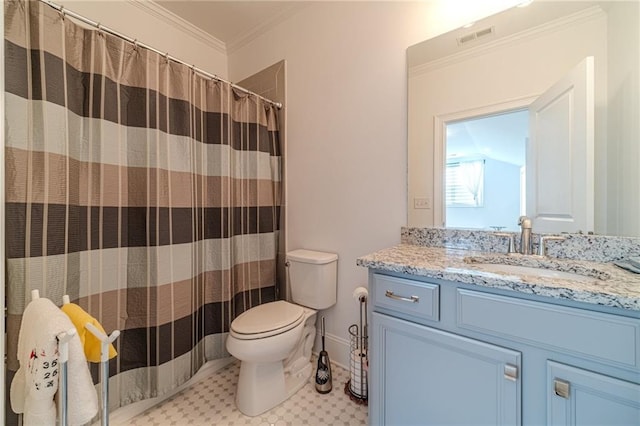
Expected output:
(485, 171)
(505, 62)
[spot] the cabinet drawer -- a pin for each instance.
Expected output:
(591, 335)
(407, 297)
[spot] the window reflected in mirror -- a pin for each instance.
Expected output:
(485, 170)
(464, 182)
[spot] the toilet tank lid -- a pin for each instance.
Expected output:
(310, 256)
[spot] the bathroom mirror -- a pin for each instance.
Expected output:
(500, 65)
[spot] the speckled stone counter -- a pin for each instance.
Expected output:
(611, 286)
(597, 248)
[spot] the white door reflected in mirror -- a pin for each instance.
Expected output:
(560, 156)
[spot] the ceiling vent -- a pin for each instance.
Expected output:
(475, 36)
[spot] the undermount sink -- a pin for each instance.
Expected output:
(533, 272)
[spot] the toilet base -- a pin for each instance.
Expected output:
(262, 386)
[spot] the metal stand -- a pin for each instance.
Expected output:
(105, 341)
(63, 357)
(357, 386)
(63, 350)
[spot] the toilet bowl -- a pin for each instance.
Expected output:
(273, 341)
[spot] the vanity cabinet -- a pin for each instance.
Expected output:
(450, 353)
(427, 376)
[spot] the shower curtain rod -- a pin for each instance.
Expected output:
(135, 42)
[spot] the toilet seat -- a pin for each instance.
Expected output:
(268, 319)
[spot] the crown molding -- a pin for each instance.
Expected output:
(154, 9)
(244, 39)
(562, 23)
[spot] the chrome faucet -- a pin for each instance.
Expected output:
(526, 244)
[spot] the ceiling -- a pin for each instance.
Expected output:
(501, 137)
(232, 22)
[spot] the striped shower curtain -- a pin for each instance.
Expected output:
(146, 192)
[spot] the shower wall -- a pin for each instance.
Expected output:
(270, 83)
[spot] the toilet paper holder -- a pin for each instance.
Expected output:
(357, 386)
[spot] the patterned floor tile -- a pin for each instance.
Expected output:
(211, 402)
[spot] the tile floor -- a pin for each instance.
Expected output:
(211, 402)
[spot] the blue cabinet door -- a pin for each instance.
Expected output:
(423, 376)
(581, 397)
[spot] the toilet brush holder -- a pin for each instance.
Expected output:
(324, 382)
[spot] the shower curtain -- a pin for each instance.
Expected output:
(148, 193)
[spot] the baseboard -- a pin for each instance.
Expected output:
(336, 347)
(123, 415)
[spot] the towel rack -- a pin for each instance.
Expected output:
(63, 350)
(105, 341)
(63, 357)
(63, 339)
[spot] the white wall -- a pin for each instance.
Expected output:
(346, 112)
(157, 28)
(623, 145)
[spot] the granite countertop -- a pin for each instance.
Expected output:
(611, 286)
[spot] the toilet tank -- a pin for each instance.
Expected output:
(313, 276)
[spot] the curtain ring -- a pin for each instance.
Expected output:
(135, 44)
(62, 12)
(166, 57)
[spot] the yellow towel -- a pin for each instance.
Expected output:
(91, 344)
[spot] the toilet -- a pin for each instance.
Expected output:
(273, 341)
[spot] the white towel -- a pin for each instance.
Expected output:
(36, 382)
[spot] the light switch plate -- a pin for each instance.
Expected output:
(422, 203)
